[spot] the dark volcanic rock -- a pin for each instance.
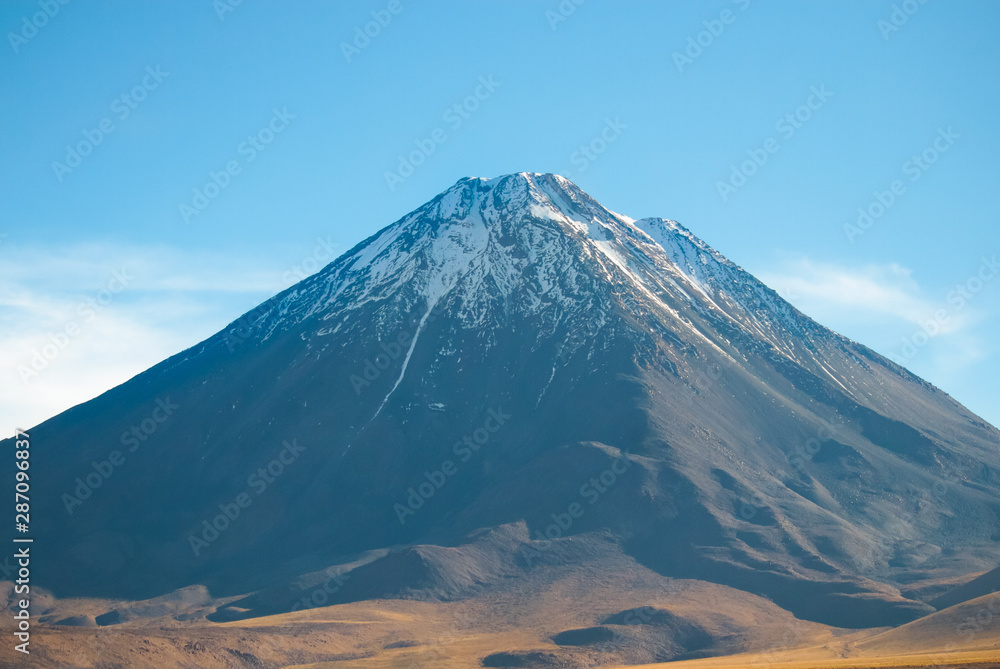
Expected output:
(513, 354)
(110, 618)
(78, 621)
(525, 658)
(585, 636)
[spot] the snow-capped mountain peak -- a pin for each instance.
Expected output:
(530, 243)
(518, 315)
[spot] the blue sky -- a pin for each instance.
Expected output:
(649, 106)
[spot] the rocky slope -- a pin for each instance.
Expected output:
(513, 354)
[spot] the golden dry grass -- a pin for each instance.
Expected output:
(398, 634)
(965, 635)
(812, 659)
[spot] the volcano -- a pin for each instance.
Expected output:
(510, 382)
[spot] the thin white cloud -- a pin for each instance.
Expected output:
(44, 374)
(91, 266)
(884, 307)
(879, 291)
(78, 320)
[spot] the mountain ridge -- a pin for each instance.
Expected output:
(764, 451)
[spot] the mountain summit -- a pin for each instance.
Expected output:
(512, 382)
